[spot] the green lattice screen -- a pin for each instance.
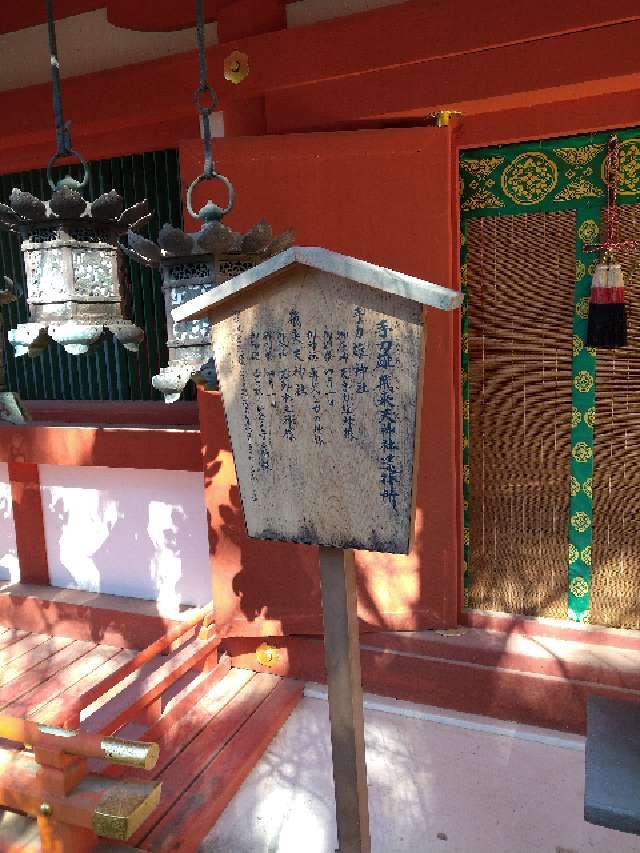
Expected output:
(542, 178)
(110, 372)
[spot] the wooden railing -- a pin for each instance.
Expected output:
(50, 779)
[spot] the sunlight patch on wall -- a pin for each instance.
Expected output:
(127, 532)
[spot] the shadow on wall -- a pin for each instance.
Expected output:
(127, 532)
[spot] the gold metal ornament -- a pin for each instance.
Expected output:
(267, 655)
(131, 753)
(46, 810)
(123, 809)
(442, 118)
(236, 67)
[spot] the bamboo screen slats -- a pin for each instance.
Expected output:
(615, 585)
(521, 274)
(110, 372)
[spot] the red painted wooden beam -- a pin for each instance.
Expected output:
(168, 449)
(583, 64)
(28, 520)
(126, 108)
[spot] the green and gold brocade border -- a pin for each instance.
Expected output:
(583, 414)
(555, 174)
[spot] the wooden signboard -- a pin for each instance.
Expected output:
(319, 373)
(319, 358)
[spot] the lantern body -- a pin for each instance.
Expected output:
(184, 278)
(74, 270)
(193, 264)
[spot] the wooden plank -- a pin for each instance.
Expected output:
(143, 690)
(174, 731)
(64, 678)
(55, 710)
(38, 662)
(184, 826)
(179, 775)
(344, 679)
(41, 674)
(20, 646)
(11, 636)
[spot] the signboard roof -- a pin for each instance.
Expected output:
(371, 275)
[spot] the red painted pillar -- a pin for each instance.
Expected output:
(29, 523)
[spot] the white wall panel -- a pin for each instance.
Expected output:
(128, 532)
(9, 568)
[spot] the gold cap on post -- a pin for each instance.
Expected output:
(132, 753)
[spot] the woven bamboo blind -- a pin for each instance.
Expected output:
(615, 585)
(521, 273)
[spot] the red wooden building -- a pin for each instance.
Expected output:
(334, 132)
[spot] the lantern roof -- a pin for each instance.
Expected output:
(213, 238)
(68, 203)
(370, 275)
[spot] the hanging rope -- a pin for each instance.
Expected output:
(204, 92)
(63, 131)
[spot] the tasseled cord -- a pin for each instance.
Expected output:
(607, 324)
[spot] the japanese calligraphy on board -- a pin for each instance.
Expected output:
(319, 358)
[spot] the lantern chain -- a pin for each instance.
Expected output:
(63, 130)
(204, 89)
(211, 212)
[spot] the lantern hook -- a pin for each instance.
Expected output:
(63, 129)
(211, 212)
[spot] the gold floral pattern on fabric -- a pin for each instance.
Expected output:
(586, 487)
(581, 182)
(481, 186)
(529, 178)
(585, 555)
(629, 167)
(576, 416)
(578, 188)
(580, 269)
(590, 417)
(583, 382)
(589, 231)
(574, 554)
(577, 344)
(465, 410)
(575, 486)
(465, 473)
(579, 587)
(581, 451)
(580, 521)
(582, 307)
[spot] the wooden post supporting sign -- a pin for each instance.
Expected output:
(342, 655)
(319, 358)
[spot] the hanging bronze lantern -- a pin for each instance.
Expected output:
(191, 264)
(70, 247)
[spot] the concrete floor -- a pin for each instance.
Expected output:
(439, 782)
